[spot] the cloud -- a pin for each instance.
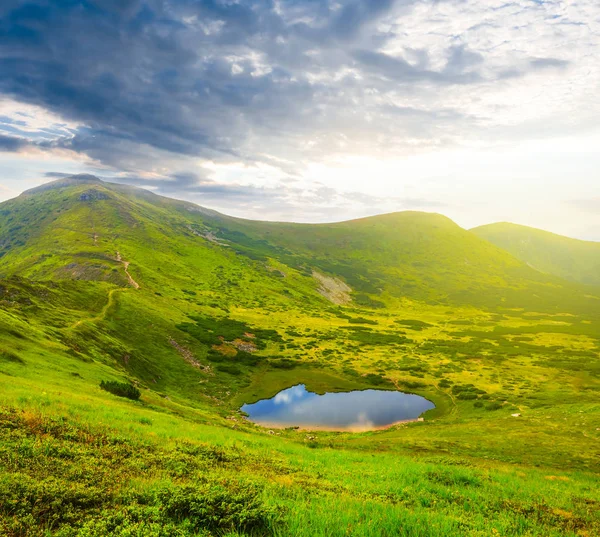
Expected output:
(159, 93)
(316, 202)
(549, 63)
(11, 143)
(221, 80)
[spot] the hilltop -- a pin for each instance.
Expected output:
(201, 312)
(571, 259)
(73, 227)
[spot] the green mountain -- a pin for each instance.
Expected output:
(133, 327)
(571, 259)
(73, 229)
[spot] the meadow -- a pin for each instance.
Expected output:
(229, 312)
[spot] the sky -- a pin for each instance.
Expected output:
(313, 110)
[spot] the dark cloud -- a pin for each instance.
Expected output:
(11, 143)
(212, 79)
(57, 175)
(548, 63)
(201, 187)
(533, 65)
(148, 81)
(398, 69)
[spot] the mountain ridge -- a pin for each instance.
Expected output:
(572, 259)
(82, 221)
(196, 313)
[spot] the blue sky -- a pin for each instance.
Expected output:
(313, 110)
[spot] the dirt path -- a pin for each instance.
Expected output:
(102, 315)
(126, 264)
(111, 297)
(454, 407)
(132, 282)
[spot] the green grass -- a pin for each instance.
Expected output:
(571, 259)
(228, 312)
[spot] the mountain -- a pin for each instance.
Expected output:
(571, 259)
(82, 228)
(110, 260)
(134, 327)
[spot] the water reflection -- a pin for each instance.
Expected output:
(357, 410)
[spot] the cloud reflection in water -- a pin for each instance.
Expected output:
(357, 410)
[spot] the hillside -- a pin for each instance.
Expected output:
(74, 227)
(202, 313)
(571, 259)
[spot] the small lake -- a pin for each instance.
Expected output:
(348, 411)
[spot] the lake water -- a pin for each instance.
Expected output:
(354, 411)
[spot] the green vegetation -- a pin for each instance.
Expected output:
(571, 259)
(122, 389)
(196, 313)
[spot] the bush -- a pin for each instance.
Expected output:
(412, 385)
(375, 379)
(218, 507)
(494, 406)
(367, 301)
(31, 501)
(413, 324)
(122, 389)
(283, 363)
(229, 368)
(361, 320)
(466, 396)
(212, 331)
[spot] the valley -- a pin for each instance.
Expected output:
(204, 313)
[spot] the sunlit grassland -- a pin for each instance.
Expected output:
(510, 357)
(316, 487)
(465, 471)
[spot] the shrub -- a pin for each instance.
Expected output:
(283, 363)
(412, 385)
(375, 379)
(466, 396)
(229, 368)
(361, 320)
(45, 501)
(122, 389)
(218, 507)
(367, 301)
(454, 477)
(413, 324)
(493, 406)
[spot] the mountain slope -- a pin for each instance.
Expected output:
(83, 228)
(571, 259)
(203, 313)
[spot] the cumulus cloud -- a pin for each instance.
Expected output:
(155, 92)
(278, 202)
(220, 79)
(11, 143)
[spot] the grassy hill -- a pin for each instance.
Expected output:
(202, 313)
(571, 259)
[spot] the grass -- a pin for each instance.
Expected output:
(221, 322)
(180, 476)
(571, 259)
